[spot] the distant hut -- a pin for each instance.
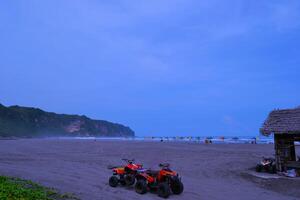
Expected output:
(285, 125)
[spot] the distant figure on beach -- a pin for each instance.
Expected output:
(208, 141)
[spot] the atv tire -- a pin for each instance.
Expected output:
(141, 186)
(113, 181)
(258, 168)
(176, 186)
(129, 179)
(122, 182)
(163, 190)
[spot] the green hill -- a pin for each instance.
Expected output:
(17, 121)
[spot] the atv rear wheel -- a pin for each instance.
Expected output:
(113, 181)
(163, 190)
(176, 186)
(141, 186)
(129, 179)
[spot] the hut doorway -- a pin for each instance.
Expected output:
(286, 151)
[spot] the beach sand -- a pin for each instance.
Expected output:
(213, 171)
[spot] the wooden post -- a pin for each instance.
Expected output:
(277, 152)
(293, 150)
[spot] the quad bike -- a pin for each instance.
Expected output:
(125, 175)
(164, 181)
(267, 165)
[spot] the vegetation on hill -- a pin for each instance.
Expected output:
(17, 121)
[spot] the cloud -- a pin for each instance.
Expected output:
(285, 15)
(188, 55)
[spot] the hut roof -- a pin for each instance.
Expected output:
(282, 122)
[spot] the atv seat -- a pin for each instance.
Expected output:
(152, 172)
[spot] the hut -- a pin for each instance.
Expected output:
(285, 125)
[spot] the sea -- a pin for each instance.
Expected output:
(197, 139)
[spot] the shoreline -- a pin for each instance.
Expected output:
(203, 139)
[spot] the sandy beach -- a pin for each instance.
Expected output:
(214, 171)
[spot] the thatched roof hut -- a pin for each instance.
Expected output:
(282, 122)
(285, 125)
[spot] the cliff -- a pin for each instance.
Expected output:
(17, 121)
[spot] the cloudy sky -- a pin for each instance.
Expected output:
(162, 67)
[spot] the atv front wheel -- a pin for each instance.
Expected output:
(163, 190)
(141, 186)
(129, 179)
(113, 181)
(176, 186)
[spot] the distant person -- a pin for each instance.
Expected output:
(207, 141)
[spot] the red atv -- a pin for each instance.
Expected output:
(125, 175)
(165, 180)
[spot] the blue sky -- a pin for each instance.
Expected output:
(172, 67)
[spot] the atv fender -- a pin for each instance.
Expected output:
(119, 170)
(141, 176)
(146, 177)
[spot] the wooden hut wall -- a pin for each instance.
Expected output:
(284, 150)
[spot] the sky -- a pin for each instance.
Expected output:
(162, 67)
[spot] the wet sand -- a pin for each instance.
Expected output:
(214, 171)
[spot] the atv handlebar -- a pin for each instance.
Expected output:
(130, 161)
(164, 165)
(113, 167)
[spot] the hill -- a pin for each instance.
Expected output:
(17, 121)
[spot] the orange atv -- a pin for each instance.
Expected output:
(125, 175)
(165, 180)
